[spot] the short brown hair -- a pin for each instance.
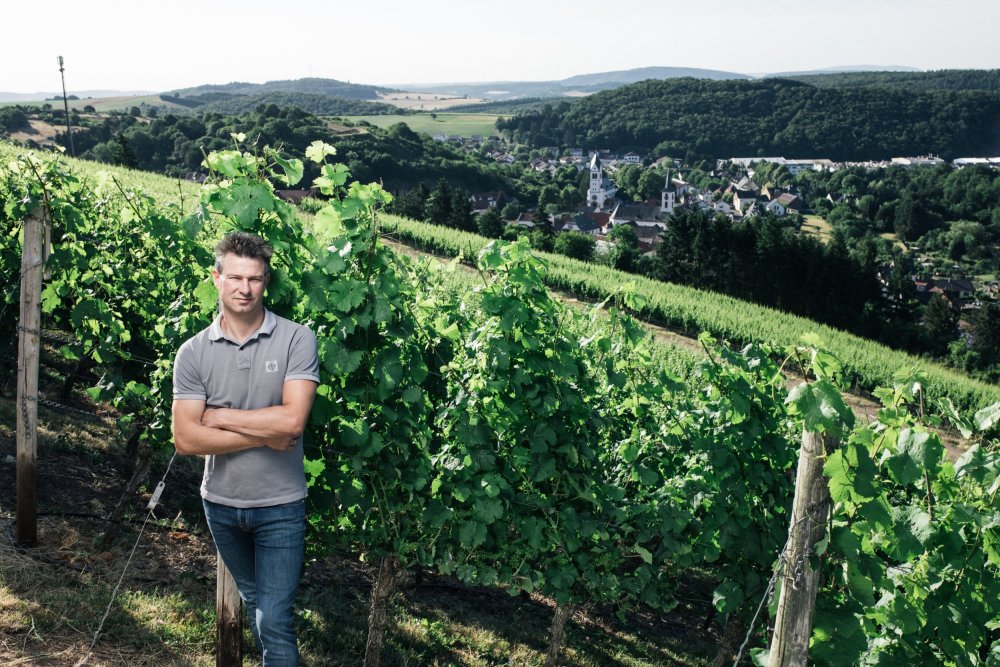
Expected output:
(243, 244)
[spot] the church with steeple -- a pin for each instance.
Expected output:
(601, 187)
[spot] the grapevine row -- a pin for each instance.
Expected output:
(508, 440)
(867, 364)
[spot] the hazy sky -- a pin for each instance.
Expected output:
(159, 46)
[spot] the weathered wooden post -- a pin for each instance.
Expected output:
(29, 339)
(810, 509)
(228, 619)
(385, 585)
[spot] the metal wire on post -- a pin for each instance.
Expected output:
(769, 592)
(107, 612)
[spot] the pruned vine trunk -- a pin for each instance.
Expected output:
(557, 634)
(84, 365)
(139, 473)
(732, 635)
(385, 585)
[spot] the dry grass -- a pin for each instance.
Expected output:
(41, 133)
(425, 101)
(818, 227)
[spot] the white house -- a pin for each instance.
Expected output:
(776, 207)
(921, 161)
(639, 215)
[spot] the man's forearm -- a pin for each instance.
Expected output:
(206, 440)
(278, 421)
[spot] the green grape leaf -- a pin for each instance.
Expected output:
(645, 554)
(907, 465)
(728, 597)
(246, 201)
(988, 417)
(979, 464)
(858, 583)
(852, 474)
(315, 286)
(226, 163)
(318, 150)
(821, 407)
(471, 534)
(347, 295)
(338, 360)
(314, 468)
(963, 424)
(913, 530)
(487, 510)
(207, 295)
(328, 222)
(292, 170)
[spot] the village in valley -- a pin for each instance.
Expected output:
(735, 195)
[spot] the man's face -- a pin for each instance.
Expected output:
(241, 284)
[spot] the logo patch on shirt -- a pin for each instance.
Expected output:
(271, 366)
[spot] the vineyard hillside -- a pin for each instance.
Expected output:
(497, 475)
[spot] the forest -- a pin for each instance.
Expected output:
(697, 119)
(314, 103)
(951, 79)
(175, 145)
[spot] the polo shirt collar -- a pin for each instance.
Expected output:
(215, 332)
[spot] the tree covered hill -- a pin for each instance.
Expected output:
(314, 86)
(711, 119)
(314, 103)
(586, 83)
(605, 79)
(175, 145)
(947, 79)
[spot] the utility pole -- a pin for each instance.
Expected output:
(69, 129)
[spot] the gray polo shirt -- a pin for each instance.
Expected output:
(214, 368)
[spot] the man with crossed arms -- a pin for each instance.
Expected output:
(243, 389)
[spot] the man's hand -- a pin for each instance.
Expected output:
(282, 444)
(209, 418)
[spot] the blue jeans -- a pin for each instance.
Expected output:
(263, 548)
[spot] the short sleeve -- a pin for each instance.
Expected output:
(188, 385)
(303, 361)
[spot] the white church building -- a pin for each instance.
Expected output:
(601, 187)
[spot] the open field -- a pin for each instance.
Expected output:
(123, 103)
(424, 101)
(41, 133)
(892, 238)
(460, 124)
(817, 226)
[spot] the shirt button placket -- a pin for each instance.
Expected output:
(243, 358)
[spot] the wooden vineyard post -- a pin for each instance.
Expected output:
(32, 261)
(810, 509)
(385, 585)
(228, 619)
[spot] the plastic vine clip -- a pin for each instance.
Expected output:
(156, 496)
